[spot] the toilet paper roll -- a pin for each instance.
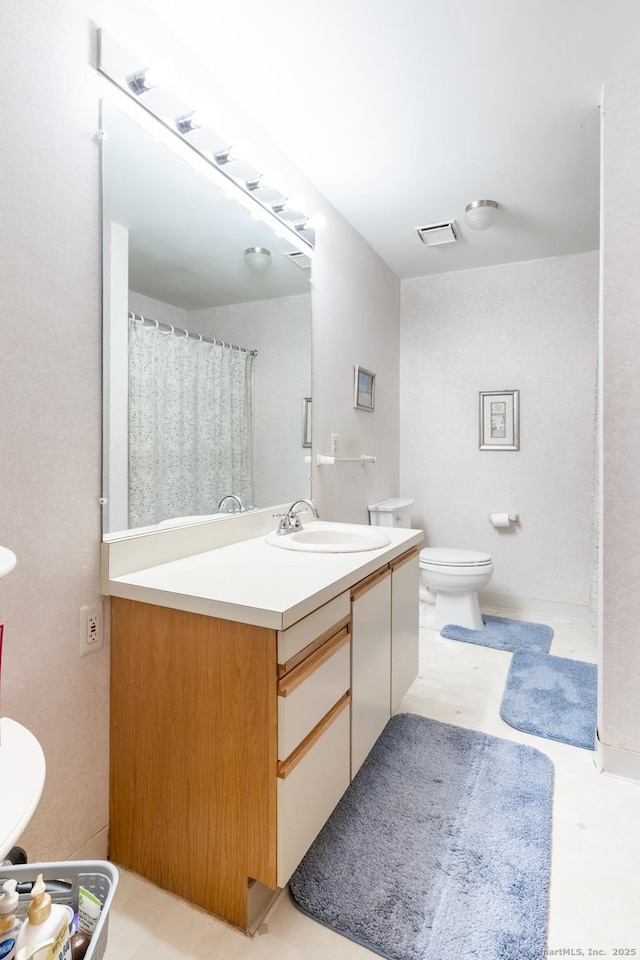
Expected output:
(500, 519)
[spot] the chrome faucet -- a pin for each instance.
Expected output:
(290, 519)
(232, 496)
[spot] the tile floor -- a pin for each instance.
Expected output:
(595, 876)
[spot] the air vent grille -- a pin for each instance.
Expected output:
(436, 233)
(300, 259)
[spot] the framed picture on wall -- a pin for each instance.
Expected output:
(364, 383)
(499, 420)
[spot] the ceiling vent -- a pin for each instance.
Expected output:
(300, 258)
(437, 233)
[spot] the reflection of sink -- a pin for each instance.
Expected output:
(331, 538)
(179, 521)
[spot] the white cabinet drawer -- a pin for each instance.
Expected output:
(310, 783)
(311, 629)
(309, 691)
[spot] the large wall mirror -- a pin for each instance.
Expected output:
(207, 347)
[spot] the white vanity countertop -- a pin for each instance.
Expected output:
(254, 582)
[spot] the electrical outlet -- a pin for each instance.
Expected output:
(334, 444)
(91, 633)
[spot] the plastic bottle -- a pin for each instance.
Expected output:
(9, 923)
(44, 935)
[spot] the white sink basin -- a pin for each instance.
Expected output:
(330, 538)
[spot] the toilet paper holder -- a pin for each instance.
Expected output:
(502, 520)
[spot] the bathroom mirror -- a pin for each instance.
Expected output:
(174, 246)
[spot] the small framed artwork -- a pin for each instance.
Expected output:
(306, 422)
(364, 385)
(499, 420)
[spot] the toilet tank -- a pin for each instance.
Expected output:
(394, 512)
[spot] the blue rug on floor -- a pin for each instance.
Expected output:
(501, 633)
(552, 697)
(439, 849)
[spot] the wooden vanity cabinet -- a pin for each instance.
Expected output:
(207, 788)
(231, 744)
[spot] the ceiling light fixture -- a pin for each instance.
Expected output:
(315, 222)
(269, 179)
(294, 202)
(202, 116)
(158, 75)
(480, 214)
(258, 258)
(241, 150)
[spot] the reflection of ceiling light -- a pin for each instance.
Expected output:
(158, 75)
(258, 258)
(480, 214)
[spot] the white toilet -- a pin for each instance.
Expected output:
(454, 577)
(394, 512)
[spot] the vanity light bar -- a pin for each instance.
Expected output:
(134, 83)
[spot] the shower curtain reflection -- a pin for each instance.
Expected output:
(189, 424)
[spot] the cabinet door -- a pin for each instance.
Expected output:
(405, 575)
(370, 663)
(310, 784)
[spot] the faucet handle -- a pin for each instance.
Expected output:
(285, 521)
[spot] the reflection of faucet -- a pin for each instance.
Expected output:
(290, 520)
(232, 496)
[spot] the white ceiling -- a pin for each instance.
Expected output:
(402, 111)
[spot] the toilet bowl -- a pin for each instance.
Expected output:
(454, 577)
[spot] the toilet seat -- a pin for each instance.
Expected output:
(445, 557)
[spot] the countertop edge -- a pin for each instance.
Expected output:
(274, 618)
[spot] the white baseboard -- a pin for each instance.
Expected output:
(97, 848)
(547, 608)
(616, 762)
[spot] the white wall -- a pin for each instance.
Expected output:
(50, 343)
(356, 305)
(528, 326)
(50, 403)
(619, 720)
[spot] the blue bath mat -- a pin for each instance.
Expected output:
(552, 697)
(501, 633)
(439, 849)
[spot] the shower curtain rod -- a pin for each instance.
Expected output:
(169, 328)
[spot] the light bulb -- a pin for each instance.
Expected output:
(270, 178)
(240, 150)
(317, 222)
(203, 115)
(294, 202)
(159, 74)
